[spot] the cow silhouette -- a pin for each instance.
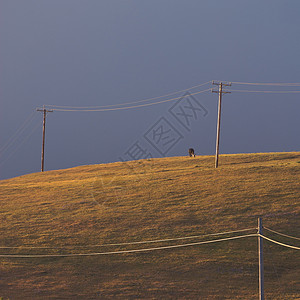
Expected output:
(192, 152)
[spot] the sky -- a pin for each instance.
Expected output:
(110, 52)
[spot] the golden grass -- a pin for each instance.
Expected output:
(158, 198)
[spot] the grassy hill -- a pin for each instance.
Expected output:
(71, 211)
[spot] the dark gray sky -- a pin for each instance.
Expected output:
(93, 53)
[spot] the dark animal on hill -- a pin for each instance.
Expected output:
(192, 152)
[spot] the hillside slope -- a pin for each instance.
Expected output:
(73, 210)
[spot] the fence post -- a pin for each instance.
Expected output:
(260, 260)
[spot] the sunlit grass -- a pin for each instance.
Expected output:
(158, 198)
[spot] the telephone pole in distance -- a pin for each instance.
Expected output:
(220, 92)
(45, 111)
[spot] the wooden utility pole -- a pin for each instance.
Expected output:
(45, 111)
(220, 92)
(260, 261)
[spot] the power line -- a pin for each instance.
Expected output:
(267, 84)
(268, 92)
(129, 107)
(169, 94)
(276, 242)
(125, 251)
(19, 131)
(132, 243)
(127, 103)
(20, 144)
(289, 236)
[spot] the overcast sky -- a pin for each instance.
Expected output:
(106, 52)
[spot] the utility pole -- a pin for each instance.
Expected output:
(260, 261)
(45, 111)
(220, 92)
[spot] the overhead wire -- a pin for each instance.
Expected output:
(128, 107)
(123, 251)
(269, 92)
(20, 144)
(279, 233)
(266, 84)
(128, 103)
(131, 243)
(19, 131)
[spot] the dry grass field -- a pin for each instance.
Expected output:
(78, 209)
